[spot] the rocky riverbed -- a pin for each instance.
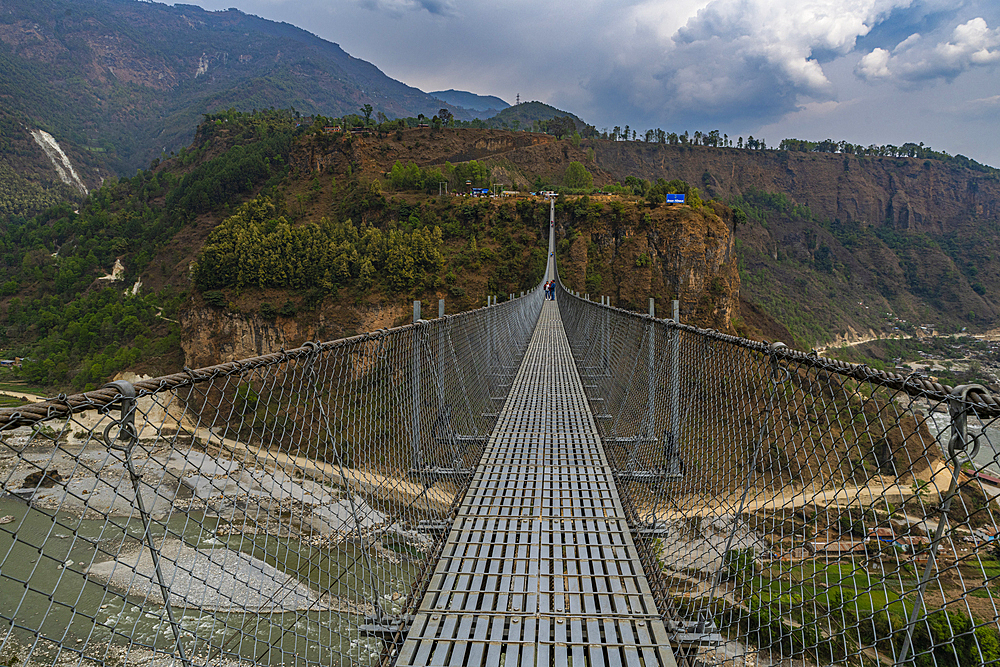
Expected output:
(238, 534)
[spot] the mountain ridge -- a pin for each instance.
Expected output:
(484, 106)
(132, 79)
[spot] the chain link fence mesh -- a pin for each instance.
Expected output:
(286, 509)
(792, 509)
(276, 510)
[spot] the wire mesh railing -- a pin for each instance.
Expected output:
(792, 509)
(277, 510)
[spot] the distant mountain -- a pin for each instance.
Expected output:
(484, 106)
(125, 81)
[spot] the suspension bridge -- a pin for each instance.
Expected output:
(536, 482)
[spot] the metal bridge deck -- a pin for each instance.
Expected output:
(539, 567)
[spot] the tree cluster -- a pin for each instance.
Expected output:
(86, 341)
(413, 177)
(908, 149)
(255, 247)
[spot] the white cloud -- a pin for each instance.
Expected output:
(913, 62)
(758, 57)
(874, 66)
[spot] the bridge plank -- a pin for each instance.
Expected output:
(539, 567)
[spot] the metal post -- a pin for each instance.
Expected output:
(440, 357)
(489, 343)
(650, 372)
(445, 429)
(958, 409)
(415, 421)
(128, 435)
(605, 334)
(673, 438)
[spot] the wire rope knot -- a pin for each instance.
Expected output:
(958, 408)
(313, 348)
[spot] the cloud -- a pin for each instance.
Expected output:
(400, 7)
(735, 58)
(914, 62)
(984, 108)
(874, 66)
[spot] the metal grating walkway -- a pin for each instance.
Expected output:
(539, 567)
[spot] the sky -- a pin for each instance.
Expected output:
(862, 71)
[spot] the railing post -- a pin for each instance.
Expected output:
(650, 371)
(958, 409)
(489, 341)
(673, 438)
(440, 357)
(605, 301)
(415, 421)
(127, 433)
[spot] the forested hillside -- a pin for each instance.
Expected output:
(28, 181)
(291, 243)
(267, 231)
(66, 308)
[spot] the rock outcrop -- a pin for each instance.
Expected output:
(634, 252)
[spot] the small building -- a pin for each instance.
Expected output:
(841, 548)
(912, 544)
(882, 534)
(333, 129)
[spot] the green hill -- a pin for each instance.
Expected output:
(537, 116)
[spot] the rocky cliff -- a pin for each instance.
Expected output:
(215, 336)
(837, 242)
(919, 196)
(632, 252)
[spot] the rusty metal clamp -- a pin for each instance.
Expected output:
(958, 409)
(126, 420)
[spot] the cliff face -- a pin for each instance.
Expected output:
(840, 242)
(213, 336)
(632, 253)
(921, 196)
(861, 245)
